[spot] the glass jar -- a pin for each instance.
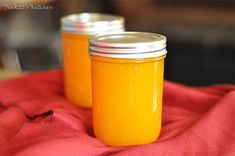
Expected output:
(127, 86)
(75, 32)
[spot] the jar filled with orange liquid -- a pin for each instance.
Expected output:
(75, 32)
(127, 86)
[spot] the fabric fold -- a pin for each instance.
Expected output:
(37, 120)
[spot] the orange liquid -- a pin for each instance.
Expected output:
(77, 72)
(127, 100)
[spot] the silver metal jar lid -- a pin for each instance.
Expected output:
(128, 45)
(92, 23)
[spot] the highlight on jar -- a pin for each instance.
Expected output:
(127, 87)
(76, 29)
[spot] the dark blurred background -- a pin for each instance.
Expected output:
(201, 34)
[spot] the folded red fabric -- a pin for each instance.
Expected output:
(37, 120)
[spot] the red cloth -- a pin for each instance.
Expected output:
(36, 120)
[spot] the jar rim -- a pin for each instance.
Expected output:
(92, 23)
(128, 45)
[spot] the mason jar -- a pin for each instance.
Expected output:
(76, 29)
(127, 86)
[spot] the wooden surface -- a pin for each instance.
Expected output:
(6, 74)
